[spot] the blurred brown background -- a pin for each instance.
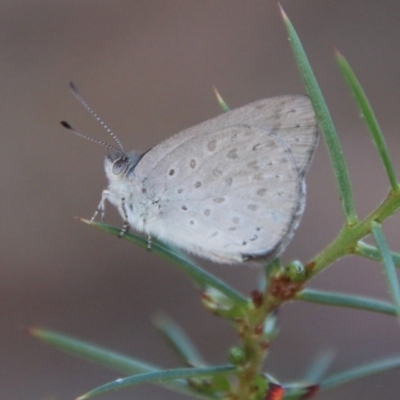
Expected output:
(148, 68)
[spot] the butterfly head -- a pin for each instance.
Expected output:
(119, 165)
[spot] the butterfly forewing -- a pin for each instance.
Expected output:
(290, 117)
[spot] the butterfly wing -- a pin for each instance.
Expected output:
(226, 194)
(291, 117)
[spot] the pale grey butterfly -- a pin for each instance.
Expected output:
(230, 189)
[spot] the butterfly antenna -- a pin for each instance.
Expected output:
(66, 125)
(98, 119)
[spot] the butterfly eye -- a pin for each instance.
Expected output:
(119, 166)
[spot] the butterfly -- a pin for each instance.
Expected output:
(230, 189)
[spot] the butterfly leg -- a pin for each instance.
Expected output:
(101, 207)
(125, 226)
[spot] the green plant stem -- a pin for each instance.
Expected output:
(255, 340)
(346, 242)
(157, 376)
(344, 300)
(326, 124)
(369, 117)
(179, 340)
(371, 252)
(255, 347)
(387, 261)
